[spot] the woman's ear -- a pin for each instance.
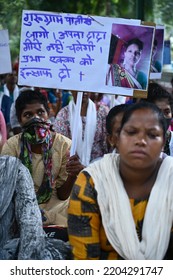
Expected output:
(112, 140)
(117, 141)
(109, 140)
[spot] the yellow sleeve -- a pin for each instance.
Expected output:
(84, 219)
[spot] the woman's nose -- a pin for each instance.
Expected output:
(141, 140)
(133, 55)
(36, 116)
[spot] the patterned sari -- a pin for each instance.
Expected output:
(120, 77)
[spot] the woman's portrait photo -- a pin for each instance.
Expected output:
(157, 51)
(129, 56)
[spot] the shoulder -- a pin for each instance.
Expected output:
(142, 75)
(61, 140)
(117, 67)
(158, 66)
(167, 163)
(12, 146)
(63, 111)
(103, 109)
(12, 165)
(102, 165)
(85, 183)
(9, 161)
(171, 137)
(142, 79)
(14, 139)
(6, 99)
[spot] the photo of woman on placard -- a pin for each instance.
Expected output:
(126, 74)
(129, 60)
(155, 64)
(157, 52)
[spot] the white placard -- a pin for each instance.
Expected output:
(67, 51)
(5, 57)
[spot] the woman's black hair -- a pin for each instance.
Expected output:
(135, 41)
(145, 105)
(156, 93)
(113, 113)
(29, 97)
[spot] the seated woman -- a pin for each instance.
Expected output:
(91, 132)
(127, 74)
(44, 153)
(121, 206)
(113, 124)
(21, 233)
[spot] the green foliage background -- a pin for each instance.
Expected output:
(152, 10)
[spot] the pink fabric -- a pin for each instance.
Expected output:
(3, 129)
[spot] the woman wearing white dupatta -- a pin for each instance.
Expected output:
(121, 206)
(91, 130)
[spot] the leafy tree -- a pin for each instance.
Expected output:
(11, 12)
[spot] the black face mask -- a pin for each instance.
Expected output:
(168, 121)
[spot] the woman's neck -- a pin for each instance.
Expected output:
(131, 69)
(138, 183)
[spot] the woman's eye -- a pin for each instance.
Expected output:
(40, 113)
(27, 116)
(152, 136)
(130, 132)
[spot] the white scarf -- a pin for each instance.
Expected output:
(117, 216)
(84, 146)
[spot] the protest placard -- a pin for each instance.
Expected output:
(5, 57)
(157, 53)
(71, 51)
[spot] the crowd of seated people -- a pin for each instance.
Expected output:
(36, 128)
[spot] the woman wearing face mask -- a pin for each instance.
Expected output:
(91, 134)
(45, 153)
(126, 73)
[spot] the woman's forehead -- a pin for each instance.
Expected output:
(143, 115)
(33, 106)
(133, 46)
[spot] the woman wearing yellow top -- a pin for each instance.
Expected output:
(121, 206)
(45, 153)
